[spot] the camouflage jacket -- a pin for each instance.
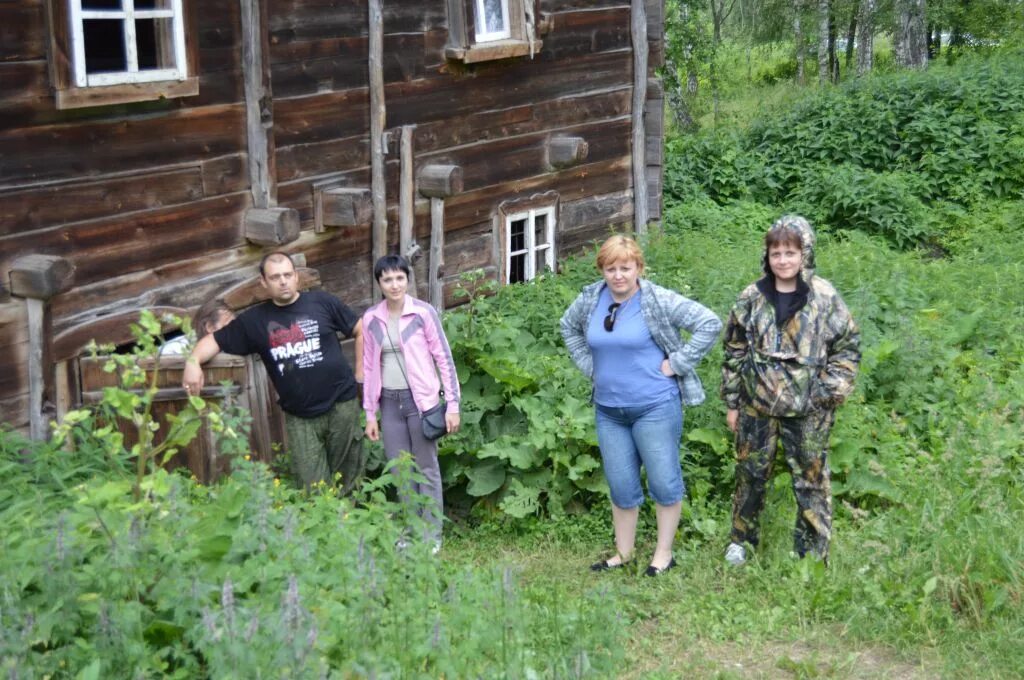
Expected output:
(808, 363)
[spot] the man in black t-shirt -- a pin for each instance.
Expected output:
(295, 336)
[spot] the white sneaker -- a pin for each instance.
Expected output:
(437, 547)
(736, 554)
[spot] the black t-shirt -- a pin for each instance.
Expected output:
(299, 348)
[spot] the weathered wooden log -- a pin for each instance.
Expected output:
(440, 181)
(40, 276)
(344, 207)
(434, 284)
(271, 226)
(259, 117)
(407, 203)
(377, 118)
(565, 152)
(638, 31)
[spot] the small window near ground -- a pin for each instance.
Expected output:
(118, 51)
(529, 239)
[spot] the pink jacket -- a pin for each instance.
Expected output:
(425, 353)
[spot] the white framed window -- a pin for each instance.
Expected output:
(127, 41)
(529, 244)
(492, 20)
(488, 30)
(105, 52)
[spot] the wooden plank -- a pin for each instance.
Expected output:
(407, 201)
(14, 412)
(377, 118)
(577, 33)
(224, 175)
(638, 30)
(259, 116)
(305, 68)
(80, 149)
(76, 201)
(37, 368)
(23, 33)
(24, 80)
(302, 20)
(317, 158)
(335, 115)
(136, 241)
(434, 286)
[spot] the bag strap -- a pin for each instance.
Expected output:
(401, 364)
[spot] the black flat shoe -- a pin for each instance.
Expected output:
(654, 571)
(604, 566)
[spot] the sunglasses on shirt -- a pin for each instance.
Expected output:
(609, 321)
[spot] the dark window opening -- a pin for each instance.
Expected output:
(104, 45)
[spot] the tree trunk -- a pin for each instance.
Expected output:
(833, 58)
(911, 44)
(866, 37)
(851, 36)
(798, 38)
(824, 9)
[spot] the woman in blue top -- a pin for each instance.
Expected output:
(623, 333)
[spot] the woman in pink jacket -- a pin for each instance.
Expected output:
(404, 352)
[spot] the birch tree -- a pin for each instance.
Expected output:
(866, 37)
(911, 40)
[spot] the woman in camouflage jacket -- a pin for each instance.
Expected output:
(791, 354)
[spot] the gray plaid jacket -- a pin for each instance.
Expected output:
(666, 312)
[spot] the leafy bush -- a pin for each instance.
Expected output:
(872, 154)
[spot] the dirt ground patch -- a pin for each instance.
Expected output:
(828, 658)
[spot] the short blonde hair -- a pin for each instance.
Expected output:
(620, 248)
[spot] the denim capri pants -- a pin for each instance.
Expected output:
(647, 435)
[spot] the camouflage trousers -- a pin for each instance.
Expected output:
(805, 446)
(326, 445)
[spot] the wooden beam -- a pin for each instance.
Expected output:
(40, 276)
(565, 152)
(377, 118)
(434, 280)
(344, 207)
(407, 202)
(259, 117)
(440, 181)
(39, 368)
(638, 31)
(271, 226)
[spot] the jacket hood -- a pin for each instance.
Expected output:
(807, 239)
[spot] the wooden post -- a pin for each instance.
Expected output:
(258, 112)
(638, 32)
(438, 182)
(406, 203)
(37, 278)
(436, 289)
(377, 117)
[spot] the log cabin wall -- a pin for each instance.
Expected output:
(147, 200)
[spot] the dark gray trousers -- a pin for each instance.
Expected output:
(401, 431)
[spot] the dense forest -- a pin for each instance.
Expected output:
(910, 163)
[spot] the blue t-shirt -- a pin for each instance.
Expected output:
(627, 361)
